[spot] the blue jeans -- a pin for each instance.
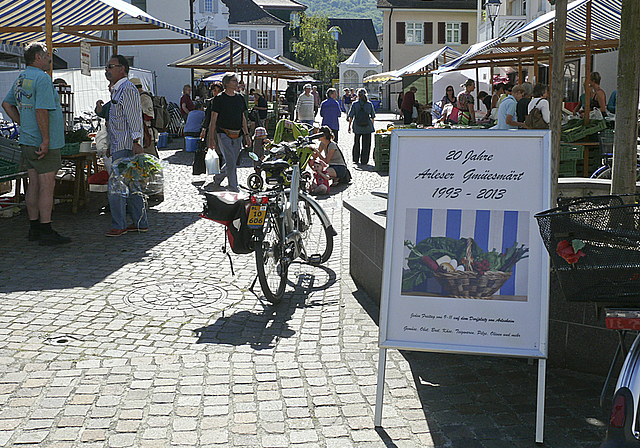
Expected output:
(230, 148)
(119, 205)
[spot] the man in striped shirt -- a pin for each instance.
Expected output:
(125, 135)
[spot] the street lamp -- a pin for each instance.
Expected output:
(492, 7)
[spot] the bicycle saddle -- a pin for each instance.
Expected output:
(274, 166)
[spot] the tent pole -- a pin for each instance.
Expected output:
(587, 66)
(49, 32)
(478, 88)
(520, 64)
(556, 91)
(115, 32)
(535, 60)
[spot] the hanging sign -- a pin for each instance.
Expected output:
(85, 58)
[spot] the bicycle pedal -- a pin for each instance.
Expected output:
(314, 259)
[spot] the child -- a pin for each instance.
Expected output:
(259, 140)
(320, 184)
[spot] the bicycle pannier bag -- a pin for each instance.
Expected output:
(230, 210)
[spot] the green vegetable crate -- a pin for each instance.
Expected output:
(7, 167)
(70, 149)
(579, 131)
(567, 168)
(382, 141)
(571, 152)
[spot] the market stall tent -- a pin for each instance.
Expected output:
(361, 64)
(256, 69)
(67, 23)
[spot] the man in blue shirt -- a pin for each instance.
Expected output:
(507, 114)
(34, 104)
(330, 111)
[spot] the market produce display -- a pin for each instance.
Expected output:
(461, 267)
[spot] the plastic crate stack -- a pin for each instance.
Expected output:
(569, 156)
(381, 152)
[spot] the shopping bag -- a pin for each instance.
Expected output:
(199, 165)
(212, 161)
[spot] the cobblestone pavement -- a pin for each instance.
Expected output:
(148, 340)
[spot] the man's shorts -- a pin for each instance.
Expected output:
(50, 162)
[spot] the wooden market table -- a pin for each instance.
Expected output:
(82, 166)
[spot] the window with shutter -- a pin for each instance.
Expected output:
(428, 32)
(453, 34)
(262, 42)
(464, 31)
(442, 33)
(413, 33)
(399, 32)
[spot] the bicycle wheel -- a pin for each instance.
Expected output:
(255, 182)
(606, 174)
(317, 240)
(271, 262)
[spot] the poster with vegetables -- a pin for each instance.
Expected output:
(473, 255)
(465, 270)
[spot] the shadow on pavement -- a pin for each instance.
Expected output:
(89, 258)
(489, 402)
(261, 330)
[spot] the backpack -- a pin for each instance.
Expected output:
(161, 117)
(534, 120)
(362, 116)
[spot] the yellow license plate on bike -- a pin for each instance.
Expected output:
(256, 216)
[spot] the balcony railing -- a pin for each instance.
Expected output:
(503, 26)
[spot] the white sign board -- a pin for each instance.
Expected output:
(465, 270)
(85, 58)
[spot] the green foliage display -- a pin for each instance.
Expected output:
(316, 47)
(346, 9)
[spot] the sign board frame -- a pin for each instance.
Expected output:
(482, 187)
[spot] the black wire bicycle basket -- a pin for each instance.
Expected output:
(594, 245)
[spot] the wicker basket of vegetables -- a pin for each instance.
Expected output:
(461, 267)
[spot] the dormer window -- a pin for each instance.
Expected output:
(294, 19)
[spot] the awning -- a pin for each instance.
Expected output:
(74, 21)
(236, 56)
(416, 67)
(605, 35)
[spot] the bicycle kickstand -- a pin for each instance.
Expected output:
(253, 283)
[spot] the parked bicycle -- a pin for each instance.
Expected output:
(606, 138)
(10, 130)
(281, 223)
(288, 223)
(594, 245)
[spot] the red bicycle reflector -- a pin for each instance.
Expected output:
(618, 412)
(265, 199)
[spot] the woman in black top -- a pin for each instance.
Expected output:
(449, 97)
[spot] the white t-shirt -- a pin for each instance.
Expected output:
(543, 105)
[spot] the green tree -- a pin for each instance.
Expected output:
(317, 48)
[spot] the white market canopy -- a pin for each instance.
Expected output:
(66, 23)
(360, 65)
(362, 57)
(591, 24)
(419, 66)
(234, 55)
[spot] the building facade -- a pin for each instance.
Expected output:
(415, 28)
